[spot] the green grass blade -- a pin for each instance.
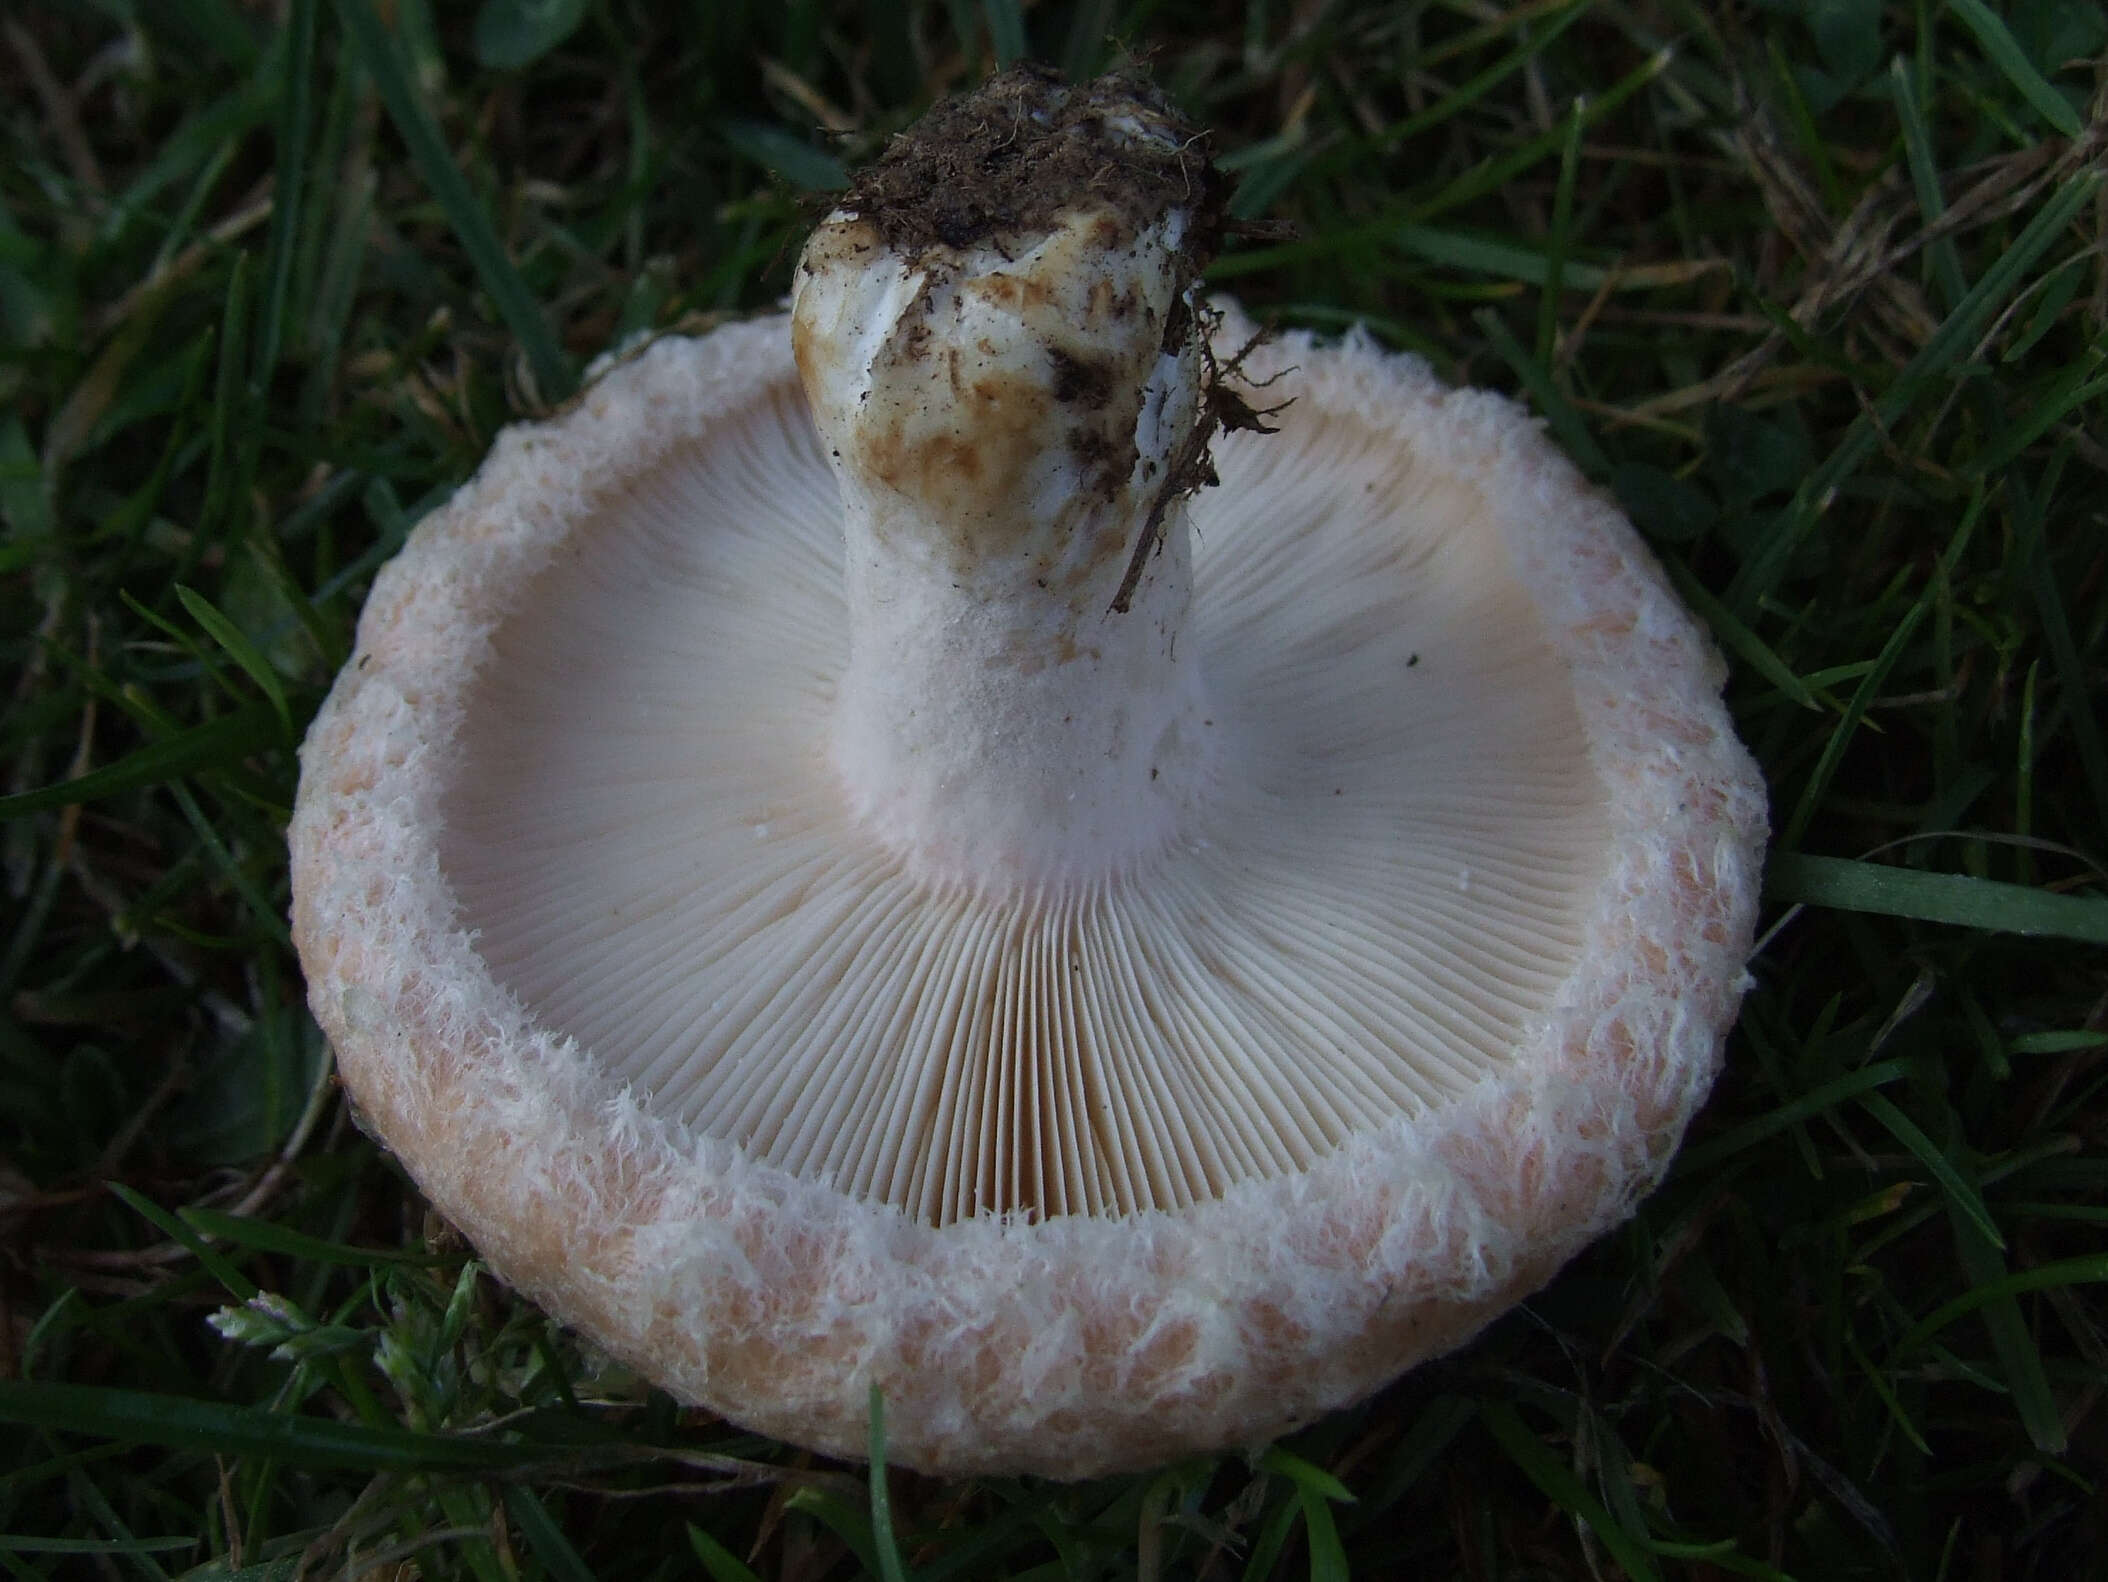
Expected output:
(241, 650)
(1706, 1155)
(1502, 258)
(1947, 346)
(229, 409)
(24, 505)
(2077, 386)
(199, 653)
(223, 26)
(95, 1504)
(1437, 1425)
(1273, 1538)
(2067, 1043)
(30, 1544)
(296, 75)
(888, 1551)
(1404, 223)
(1877, 1381)
(844, 1520)
(2079, 692)
(1567, 423)
(1006, 30)
(720, 1562)
(1870, 684)
(2090, 1270)
(1847, 886)
(544, 1536)
(515, 301)
(239, 1284)
(1958, 332)
(1305, 1475)
(1559, 1485)
(330, 642)
(267, 913)
(1925, 178)
(140, 1417)
(1737, 638)
(267, 1236)
(1090, 25)
(510, 34)
(2005, 53)
(2019, 1360)
(202, 139)
(1967, 1201)
(807, 168)
(1265, 179)
(200, 747)
(1477, 86)
(972, 1556)
(1556, 242)
(1328, 1556)
(1496, 171)
(2053, 294)
(966, 26)
(1793, 105)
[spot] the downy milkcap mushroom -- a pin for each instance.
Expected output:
(901, 885)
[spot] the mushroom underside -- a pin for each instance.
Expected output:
(1084, 1175)
(1380, 886)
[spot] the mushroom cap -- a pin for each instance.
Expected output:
(1073, 1314)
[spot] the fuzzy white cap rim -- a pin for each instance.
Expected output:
(1078, 1345)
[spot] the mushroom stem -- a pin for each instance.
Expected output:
(999, 342)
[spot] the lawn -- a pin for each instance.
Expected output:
(1817, 288)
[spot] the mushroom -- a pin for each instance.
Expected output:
(900, 885)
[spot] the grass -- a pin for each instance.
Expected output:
(1819, 290)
